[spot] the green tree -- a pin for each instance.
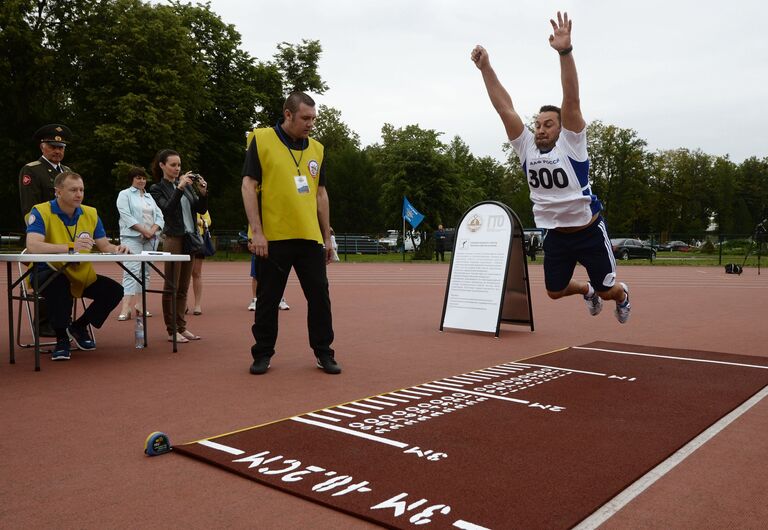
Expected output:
(619, 177)
(752, 193)
(413, 162)
(28, 98)
(352, 187)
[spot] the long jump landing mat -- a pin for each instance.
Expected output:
(539, 443)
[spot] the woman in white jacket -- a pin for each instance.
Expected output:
(140, 224)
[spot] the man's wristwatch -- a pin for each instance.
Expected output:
(566, 51)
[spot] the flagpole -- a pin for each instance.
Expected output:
(403, 239)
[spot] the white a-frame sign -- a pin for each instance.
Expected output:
(488, 280)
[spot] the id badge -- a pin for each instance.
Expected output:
(302, 186)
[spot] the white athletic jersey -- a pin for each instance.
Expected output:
(558, 179)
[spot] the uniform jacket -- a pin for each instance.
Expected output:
(36, 183)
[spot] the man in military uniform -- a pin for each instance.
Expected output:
(36, 184)
(36, 178)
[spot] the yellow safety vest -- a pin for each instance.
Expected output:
(288, 191)
(80, 275)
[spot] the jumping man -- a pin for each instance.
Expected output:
(556, 164)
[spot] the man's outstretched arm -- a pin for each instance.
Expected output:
(560, 40)
(500, 98)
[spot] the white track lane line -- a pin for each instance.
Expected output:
(674, 358)
(644, 482)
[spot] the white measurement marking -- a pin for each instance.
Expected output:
(320, 416)
(351, 409)
(475, 374)
(339, 413)
(459, 381)
(420, 387)
(466, 525)
(379, 439)
(454, 385)
(380, 402)
(568, 369)
(374, 407)
(463, 379)
(389, 396)
(400, 394)
(472, 378)
(221, 447)
(492, 372)
(486, 395)
(409, 392)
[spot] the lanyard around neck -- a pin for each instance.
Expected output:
(285, 142)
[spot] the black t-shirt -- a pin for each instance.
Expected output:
(252, 165)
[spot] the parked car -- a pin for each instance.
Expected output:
(681, 246)
(626, 248)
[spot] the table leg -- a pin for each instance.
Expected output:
(10, 315)
(36, 297)
(174, 309)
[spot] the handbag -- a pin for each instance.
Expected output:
(209, 249)
(193, 243)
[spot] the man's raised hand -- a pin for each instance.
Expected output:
(560, 40)
(480, 57)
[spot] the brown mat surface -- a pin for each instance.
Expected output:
(542, 442)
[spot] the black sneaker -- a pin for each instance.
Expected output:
(81, 338)
(260, 366)
(328, 365)
(61, 353)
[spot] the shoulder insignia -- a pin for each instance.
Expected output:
(26, 180)
(33, 164)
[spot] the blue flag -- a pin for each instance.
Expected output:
(411, 214)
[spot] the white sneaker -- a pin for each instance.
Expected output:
(623, 308)
(283, 305)
(252, 305)
(594, 304)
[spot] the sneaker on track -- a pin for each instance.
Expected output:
(252, 305)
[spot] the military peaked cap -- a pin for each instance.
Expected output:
(54, 134)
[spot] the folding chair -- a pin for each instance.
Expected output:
(26, 307)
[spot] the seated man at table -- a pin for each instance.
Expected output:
(64, 225)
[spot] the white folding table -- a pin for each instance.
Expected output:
(120, 259)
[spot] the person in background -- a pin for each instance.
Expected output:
(203, 222)
(179, 197)
(288, 215)
(64, 225)
(440, 243)
(36, 178)
(36, 185)
(283, 305)
(140, 224)
(335, 247)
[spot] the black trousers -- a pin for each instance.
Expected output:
(308, 260)
(105, 294)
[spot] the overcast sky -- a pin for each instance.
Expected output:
(681, 73)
